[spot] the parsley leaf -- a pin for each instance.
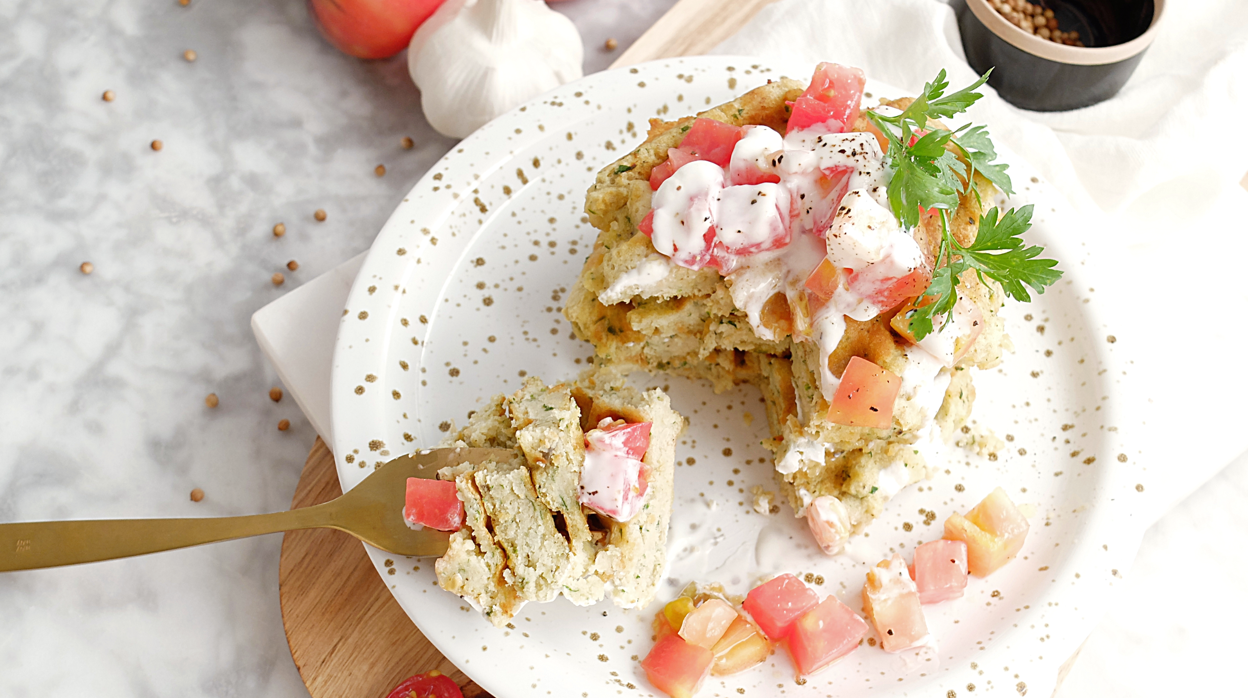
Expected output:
(998, 253)
(943, 107)
(623, 168)
(977, 148)
(932, 170)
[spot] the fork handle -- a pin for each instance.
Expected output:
(33, 545)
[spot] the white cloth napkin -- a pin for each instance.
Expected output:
(1153, 175)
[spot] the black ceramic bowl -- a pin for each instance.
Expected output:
(1041, 75)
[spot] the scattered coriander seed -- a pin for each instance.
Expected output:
(86, 268)
(109, 96)
(283, 425)
(380, 170)
(211, 400)
(189, 55)
(611, 44)
(197, 495)
(279, 230)
(157, 145)
(292, 265)
(408, 143)
(320, 215)
(278, 279)
(275, 394)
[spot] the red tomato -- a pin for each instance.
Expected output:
(630, 439)
(677, 667)
(890, 292)
(647, 224)
(865, 396)
(832, 100)
(370, 28)
(711, 140)
(433, 503)
(433, 684)
(777, 604)
(676, 157)
(824, 634)
(940, 570)
(824, 280)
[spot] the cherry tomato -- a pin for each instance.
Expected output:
(431, 684)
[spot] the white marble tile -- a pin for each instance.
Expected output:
(103, 377)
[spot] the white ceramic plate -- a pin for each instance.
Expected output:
(461, 294)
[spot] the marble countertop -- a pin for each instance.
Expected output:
(103, 376)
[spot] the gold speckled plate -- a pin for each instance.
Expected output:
(460, 297)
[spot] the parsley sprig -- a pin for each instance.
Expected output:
(928, 174)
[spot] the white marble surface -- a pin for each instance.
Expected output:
(102, 377)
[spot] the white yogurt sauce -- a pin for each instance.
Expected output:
(637, 281)
(943, 344)
(892, 479)
(803, 448)
(610, 482)
(682, 212)
(830, 327)
(924, 382)
(753, 153)
(752, 216)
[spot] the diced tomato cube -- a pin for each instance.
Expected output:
(865, 396)
(647, 224)
(994, 532)
(824, 280)
(676, 158)
(891, 601)
(706, 624)
(832, 100)
(433, 503)
(777, 604)
(888, 293)
(677, 667)
(631, 439)
(809, 112)
(824, 634)
(711, 140)
(940, 569)
(747, 209)
(742, 646)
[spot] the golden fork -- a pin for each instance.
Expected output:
(372, 511)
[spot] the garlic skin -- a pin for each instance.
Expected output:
(476, 59)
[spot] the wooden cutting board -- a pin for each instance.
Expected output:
(348, 636)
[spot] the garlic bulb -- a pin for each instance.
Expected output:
(476, 59)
